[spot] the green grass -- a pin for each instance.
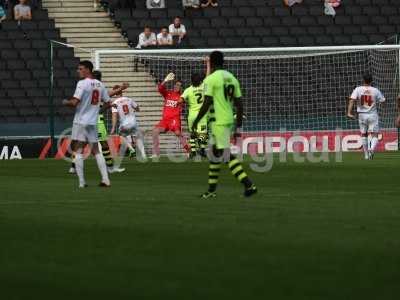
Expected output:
(315, 231)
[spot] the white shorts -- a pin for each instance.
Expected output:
(84, 133)
(369, 123)
(128, 129)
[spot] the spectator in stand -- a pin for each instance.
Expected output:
(164, 38)
(177, 30)
(147, 38)
(191, 3)
(292, 2)
(207, 3)
(22, 11)
(96, 5)
(3, 15)
(330, 6)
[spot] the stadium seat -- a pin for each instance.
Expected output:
(24, 66)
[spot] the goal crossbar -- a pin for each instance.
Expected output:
(98, 53)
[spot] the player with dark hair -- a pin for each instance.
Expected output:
(221, 92)
(367, 98)
(194, 98)
(102, 129)
(88, 94)
(171, 115)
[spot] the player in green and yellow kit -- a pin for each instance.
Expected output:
(221, 92)
(194, 98)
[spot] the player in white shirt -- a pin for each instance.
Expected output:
(367, 98)
(88, 95)
(124, 108)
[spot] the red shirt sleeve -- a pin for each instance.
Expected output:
(162, 90)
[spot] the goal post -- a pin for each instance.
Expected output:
(297, 89)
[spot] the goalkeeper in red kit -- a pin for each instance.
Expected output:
(171, 115)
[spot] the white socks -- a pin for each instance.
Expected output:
(364, 140)
(140, 145)
(79, 169)
(374, 143)
(101, 163)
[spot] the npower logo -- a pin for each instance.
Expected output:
(10, 153)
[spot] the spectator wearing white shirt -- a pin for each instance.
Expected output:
(147, 38)
(177, 30)
(164, 38)
(22, 11)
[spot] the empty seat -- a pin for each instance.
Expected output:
(215, 42)
(370, 11)
(287, 41)
(360, 20)
(10, 84)
(22, 44)
(323, 40)
(270, 41)
(279, 31)
(254, 21)
(305, 40)
(21, 75)
(244, 32)
(247, 12)
(34, 64)
(342, 40)
(298, 30)
(229, 12)
(16, 64)
(201, 23)
(209, 32)
(121, 14)
(226, 32)
(158, 14)
(237, 22)
(15, 93)
(343, 20)
(264, 12)
(234, 42)
(219, 23)
(281, 11)
(308, 20)
(251, 41)
(359, 39)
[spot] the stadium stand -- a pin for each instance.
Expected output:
(234, 23)
(253, 23)
(24, 70)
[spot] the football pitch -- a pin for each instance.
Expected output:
(314, 231)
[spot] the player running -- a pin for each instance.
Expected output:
(125, 108)
(88, 95)
(221, 92)
(171, 115)
(102, 130)
(194, 97)
(367, 98)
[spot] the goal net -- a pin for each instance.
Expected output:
(284, 89)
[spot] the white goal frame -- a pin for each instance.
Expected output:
(255, 52)
(99, 52)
